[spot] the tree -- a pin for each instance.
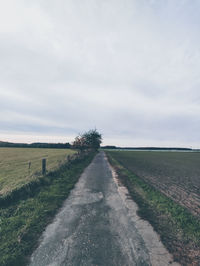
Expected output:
(79, 143)
(90, 140)
(93, 139)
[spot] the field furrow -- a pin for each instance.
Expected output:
(175, 174)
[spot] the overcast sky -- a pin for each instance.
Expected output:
(130, 68)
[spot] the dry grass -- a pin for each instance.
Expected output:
(23, 220)
(14, 165)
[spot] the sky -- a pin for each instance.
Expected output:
(129, 68)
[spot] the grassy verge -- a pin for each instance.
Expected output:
(178, 229)
(22, 222)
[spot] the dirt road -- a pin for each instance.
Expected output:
(98, 225)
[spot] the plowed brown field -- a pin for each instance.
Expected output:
(176, 174)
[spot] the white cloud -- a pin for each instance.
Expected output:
(130, 68)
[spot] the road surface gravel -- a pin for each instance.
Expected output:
(98, 225)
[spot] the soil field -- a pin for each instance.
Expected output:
(176, 174)
(14, 165)
(178, 228)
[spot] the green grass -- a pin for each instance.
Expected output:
(14, 165)
(178, 228)
(23, 221)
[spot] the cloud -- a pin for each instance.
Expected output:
(129, 68)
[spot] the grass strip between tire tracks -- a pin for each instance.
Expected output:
(22, 222)
(179, 230)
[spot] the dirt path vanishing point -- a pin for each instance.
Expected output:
(98, 225)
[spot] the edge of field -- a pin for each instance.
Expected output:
(30, 187)
(22, 221)
(178, 229)
(25, 166)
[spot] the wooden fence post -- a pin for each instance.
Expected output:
(68, 158)
(43, 166)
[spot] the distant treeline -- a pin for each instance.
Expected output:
(36, 145)
(144, 148)
(68, 146)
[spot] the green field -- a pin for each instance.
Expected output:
(25, 217)
(165, 186)
(14, 165)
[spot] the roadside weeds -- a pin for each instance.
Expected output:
(178, 229)
(23, 220)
